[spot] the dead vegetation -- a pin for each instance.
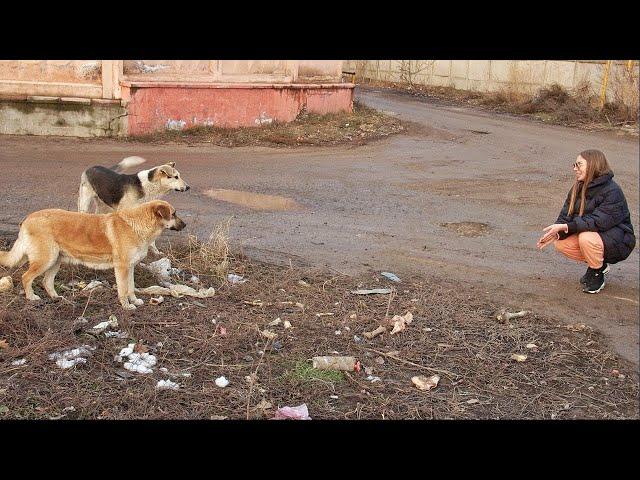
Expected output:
(262, 334)
(553, 104)
(361, 126)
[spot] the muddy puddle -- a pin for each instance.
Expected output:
(255, 201)
(468, 229)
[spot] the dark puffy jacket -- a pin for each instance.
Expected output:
(605, 212)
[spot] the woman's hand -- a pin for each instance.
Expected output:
(552, 233)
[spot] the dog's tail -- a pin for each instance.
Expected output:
(15, 256)
(127, 163)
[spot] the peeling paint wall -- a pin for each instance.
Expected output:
(69, 71)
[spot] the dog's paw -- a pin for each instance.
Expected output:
(34, 298)
(138, 301)
(129, 306)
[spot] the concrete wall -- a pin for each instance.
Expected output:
(115, 97)
(71, 117)
(525, 76)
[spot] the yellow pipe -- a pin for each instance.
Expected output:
(629, 65)
(605, 80)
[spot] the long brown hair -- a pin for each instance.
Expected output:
(597, 165)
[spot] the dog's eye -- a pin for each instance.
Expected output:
(176, 177)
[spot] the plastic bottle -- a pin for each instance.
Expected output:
(334, 363)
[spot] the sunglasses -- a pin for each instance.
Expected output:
(577, 165)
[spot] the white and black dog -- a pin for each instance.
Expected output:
(111, 190)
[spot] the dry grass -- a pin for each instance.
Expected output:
(553, 104)
(359, 127)
(209, 259)
(570, 374)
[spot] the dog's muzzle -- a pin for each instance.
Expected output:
(178, 225)
(186, 187)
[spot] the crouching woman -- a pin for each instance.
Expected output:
(594, 225)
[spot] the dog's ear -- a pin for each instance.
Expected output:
(163, 211)
(172, 164)
(165, 172)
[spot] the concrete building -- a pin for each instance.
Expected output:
(133, 97)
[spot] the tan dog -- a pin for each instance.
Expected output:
(118, 240)
(109, 189)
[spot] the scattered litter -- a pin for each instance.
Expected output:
(424, 383)
(518, 357)
(293, 413)
(373, 379)
(257, 303)
(248, 358)
(268, 334)
(69, 358)
(217, 417)
(328, 314)
(375, 333)
(337, 332)
(287, 324)
(274, 322)
(223, 331)
(235, 279)
(167, 385)
(123, 374)
(400, 322)
(264, 405)
(161, 268)
(251, 379)
(17, 363)
(357, 367)
(4, 344)
(178, 291)
(379, 360)
(93, 284)
(156, 300)
(368, 370)
(357, 339)
(6, 283)
(505, 316)
(300, 305)
(427, 329)
(137, 362)
(222, 382)
(472, 401)
(532, 346)
(335, 397)
(277, 345)
(102, 326)
(353, 316)
(391, 276)
(334, 363)
(194, 279)
(370, 292)
(303, 283)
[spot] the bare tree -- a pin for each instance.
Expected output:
(410, 69)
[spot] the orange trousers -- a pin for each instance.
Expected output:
(583, 247)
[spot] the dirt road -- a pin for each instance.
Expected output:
(463, 197)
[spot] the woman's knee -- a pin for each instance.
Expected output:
(590, 240)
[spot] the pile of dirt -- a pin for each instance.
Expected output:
(357, 128)
(261, 335)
